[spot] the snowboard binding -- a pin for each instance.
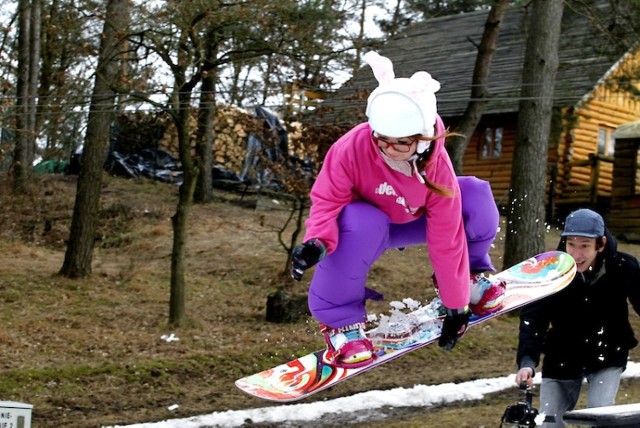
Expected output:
(349, 354)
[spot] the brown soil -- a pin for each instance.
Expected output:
(91, 352)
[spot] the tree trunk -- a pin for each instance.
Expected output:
(358, 42)
(46, 79)
(525, 219)
(77, 261)
(181, 113)
(20, 165)
(473, 113)
(204, 141)
(206, 118)
(177, 314)
(34, 71)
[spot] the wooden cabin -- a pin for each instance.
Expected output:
(588, 105)
(623, 218)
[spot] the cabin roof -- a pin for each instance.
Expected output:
(446, 48)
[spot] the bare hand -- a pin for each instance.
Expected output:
(525, 374)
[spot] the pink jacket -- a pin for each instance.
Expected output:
(354, 169)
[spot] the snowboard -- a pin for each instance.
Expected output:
(400, 333)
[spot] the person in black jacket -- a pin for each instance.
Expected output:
(583, 330)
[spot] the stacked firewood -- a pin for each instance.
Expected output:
(231, 129)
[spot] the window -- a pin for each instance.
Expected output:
(606, 142)
(491, 143)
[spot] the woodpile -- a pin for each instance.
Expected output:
(231, 129)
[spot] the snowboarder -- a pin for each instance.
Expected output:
(389, 183)
(583, 330)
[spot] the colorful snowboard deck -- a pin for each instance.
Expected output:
(528, 281)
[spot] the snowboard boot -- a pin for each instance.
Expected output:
(487, 294)
(347, 346)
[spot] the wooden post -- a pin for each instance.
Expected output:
(595, 175)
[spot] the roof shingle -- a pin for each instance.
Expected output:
(446, 48)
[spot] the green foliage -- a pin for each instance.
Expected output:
(618, 25)
(404, 14)
(435, 8)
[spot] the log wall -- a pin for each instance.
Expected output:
(496, 171)
(606, 108)
(624, 217)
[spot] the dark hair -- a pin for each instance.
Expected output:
(562, 245)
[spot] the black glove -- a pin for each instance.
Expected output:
(305, 256)
(454, 327)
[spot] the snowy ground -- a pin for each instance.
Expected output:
(366, 403)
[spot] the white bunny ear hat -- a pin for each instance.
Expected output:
(401, 107)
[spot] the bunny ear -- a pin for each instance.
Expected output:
(382, 66)
(425, 81)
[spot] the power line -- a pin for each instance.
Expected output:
(9, 101)
(278, 91)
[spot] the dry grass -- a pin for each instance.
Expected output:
(89, 352)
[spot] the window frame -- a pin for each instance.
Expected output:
(491, 143)
(606, 144)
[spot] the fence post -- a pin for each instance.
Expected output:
(595, 175)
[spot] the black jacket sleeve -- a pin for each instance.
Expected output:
(533, 329)
(633, 278)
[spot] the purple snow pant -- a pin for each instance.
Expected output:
(338, 291)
